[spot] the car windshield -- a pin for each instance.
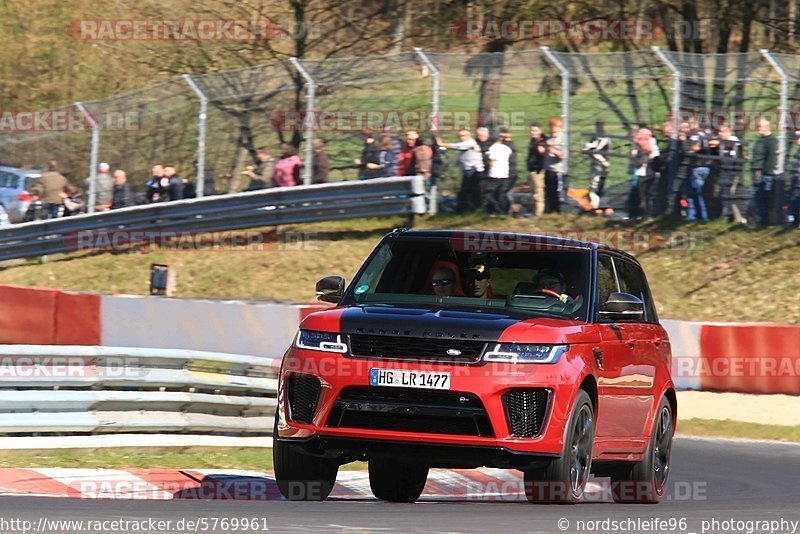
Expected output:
(521, 277)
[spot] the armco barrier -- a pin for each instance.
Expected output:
(253, 328)
(51, 390)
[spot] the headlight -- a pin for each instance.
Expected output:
(522, 353)
(327, 341)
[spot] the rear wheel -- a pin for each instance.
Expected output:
(564, 480)
(646, 482)
(301, 476)
(396, 481)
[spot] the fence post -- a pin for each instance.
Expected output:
(311, 93)
(201, 135)
(676, 89)
(783, 109)
(433, 202)
(436, 76)
(565, 89)
(92, 155)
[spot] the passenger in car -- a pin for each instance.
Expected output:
(444, 280)
(478, 282)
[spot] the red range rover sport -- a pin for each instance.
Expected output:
(465, 349)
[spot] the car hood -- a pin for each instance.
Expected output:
(447, 323)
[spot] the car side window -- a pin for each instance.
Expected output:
(606, 280)
(4, 179)
(631, 280)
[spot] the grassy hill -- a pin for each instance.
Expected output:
(697, 272)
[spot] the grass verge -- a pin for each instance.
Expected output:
(736, 429)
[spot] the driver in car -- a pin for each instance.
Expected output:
(552, 282)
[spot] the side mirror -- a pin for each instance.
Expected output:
(622, 307)
(330, 289)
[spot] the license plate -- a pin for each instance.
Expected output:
(409, 379)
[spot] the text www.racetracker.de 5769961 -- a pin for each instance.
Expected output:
(148, 525)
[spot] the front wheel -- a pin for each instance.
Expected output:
(564, 480)
(645, 482)
(301, 476)
(395, 481)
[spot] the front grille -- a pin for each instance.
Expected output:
(526, 410)
(302, 395)
(410, 410)
(416, 348)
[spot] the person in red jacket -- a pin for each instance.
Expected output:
(405, 160)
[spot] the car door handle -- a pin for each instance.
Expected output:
(631, 344)
(657, 341)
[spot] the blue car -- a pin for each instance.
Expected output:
(14, 197)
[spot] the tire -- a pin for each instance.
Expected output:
(300, 476)
(564, 480)
(645, 482)
(395, 481)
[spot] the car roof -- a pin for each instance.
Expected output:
(17, 170)
(552, 241)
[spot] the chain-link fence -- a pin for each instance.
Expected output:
(211, 124)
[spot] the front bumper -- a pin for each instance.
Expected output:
(488, 382)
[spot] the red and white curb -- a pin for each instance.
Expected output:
(228, 484)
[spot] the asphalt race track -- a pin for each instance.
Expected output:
(722, 480)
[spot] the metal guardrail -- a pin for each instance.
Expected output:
(284, 205)
(57, 390)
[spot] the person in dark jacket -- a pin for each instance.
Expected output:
(174, 183)
(156, 186)
(369, 164)
(36, 209)
(320, 163)
(762, 165)
(537, 146)
(122, 195)
(794, 190)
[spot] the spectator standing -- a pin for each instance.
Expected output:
(537, 147)
(104, 188)
(643, 157)
(554, 168)
(287, 168)
(470, 161)
(731, 154)
(762, 165)
(36, 209)
(387, 157)
(73, 200)
(261, 176)
(156, 186)
(122, 196)
(598, 148)
(495, 187)
(405, 160)
(422, 161)
(794, 189)
(320, 163)
(53, 183)
(698, 172)
(174, 183)
(368, 164)
(513, 171)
